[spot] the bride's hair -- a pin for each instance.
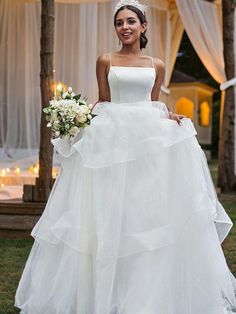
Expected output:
(142, 18)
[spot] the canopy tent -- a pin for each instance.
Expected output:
(84, 30)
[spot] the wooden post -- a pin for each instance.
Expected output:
(41, 190)
(226, 177)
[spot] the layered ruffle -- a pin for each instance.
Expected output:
(120, 132)
(135, 218)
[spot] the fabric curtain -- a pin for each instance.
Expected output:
(82, 32)
(166, 35)
(203, 23)
(20, 105)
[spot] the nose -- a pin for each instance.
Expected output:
(125, 25)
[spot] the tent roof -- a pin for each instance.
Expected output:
(181, 77)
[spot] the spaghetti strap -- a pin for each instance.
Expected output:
(110, 58)
(152, 63)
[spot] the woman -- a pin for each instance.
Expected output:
(133, 223)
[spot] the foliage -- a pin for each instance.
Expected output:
(215, 127)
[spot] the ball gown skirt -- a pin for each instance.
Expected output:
(133, 224)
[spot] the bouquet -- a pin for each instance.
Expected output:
(67, 114)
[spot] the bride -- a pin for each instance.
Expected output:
(133, 224)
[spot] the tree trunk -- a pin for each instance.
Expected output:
(226, 177)
(44, 181)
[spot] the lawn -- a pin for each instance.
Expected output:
(229, 244)
(14, 253)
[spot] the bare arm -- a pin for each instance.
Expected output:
(102, 68)
(160, 74)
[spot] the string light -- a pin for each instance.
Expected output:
(59, 88)
(2, 172)
(17, 170)
(54, 172)
(8, 174)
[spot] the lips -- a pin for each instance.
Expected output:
(126, 34)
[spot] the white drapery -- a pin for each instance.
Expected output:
(19, 71)
(202, 23)
(200, 19)
(82, 32)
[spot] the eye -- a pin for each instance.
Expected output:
(118, 23)
(132, 21)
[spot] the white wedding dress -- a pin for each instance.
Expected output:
(133, 224)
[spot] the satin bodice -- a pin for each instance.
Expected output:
(130, 84)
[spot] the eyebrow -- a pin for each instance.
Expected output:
(128, 18)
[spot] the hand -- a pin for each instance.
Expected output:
(177, 117)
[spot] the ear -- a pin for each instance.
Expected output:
(144, 26)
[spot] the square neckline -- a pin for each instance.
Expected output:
(137, 67)
(124, 67)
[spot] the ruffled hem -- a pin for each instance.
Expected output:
(135, 217)
(86, 241)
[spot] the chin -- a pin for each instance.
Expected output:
(128, 42)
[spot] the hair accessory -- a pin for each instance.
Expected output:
(134, 3)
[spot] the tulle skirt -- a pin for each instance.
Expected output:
(133, 224)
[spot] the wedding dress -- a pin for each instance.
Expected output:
(133, 224)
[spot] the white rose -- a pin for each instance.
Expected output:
(74, 131)
(57, 134)
(89, 116)
(85, 109)
(49, 124)
(70, 89)
(80, 118)
(53, 102)
(90, 106)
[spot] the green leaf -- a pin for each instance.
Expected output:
(77, 97)
(47, 110)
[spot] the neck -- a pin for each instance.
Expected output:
(131, 49)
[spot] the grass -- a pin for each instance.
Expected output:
(14, 253)
(229, 244)
(228, 200)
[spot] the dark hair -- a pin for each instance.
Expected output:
(142, 18)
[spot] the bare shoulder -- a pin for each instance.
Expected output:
(159, 64)
(103, 60)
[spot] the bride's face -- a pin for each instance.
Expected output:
(128, 26)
